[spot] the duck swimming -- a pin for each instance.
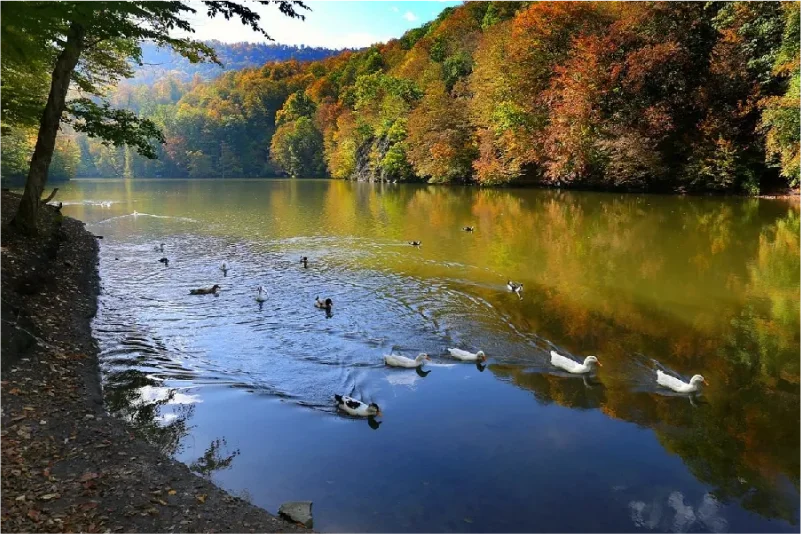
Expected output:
(224, 268)
(158, 248)
(466, 356)
(326, 304)
(356, 408)
(566, 364)
(260, 296)
(165, 261)
(205, 290)
(394, 360)
(680, 386)
(415, 243)
(468, 228)
(514, 287)
(305, 261)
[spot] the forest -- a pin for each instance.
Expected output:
(671, 96)
(163, 78)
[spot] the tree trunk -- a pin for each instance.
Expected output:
(27, 214)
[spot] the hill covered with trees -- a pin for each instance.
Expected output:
(677, 96)
(159, 63)
(163, 77)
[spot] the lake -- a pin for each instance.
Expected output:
(243, 392)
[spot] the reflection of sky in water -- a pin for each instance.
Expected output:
(675, 515)
(153, 394)
(700, 285)
(401, 378)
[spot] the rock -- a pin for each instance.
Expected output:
(298, 511)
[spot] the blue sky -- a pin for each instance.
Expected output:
(337, 24)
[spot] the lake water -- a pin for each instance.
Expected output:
(243, 392)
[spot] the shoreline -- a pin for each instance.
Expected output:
(67, 465)
(787, 193)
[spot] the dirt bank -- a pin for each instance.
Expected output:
(66, 464)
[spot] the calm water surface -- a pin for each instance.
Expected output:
(243, 393)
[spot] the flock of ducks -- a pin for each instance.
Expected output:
(358, 408)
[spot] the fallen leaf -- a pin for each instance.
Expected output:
(89, 476)
(20, 498)
(87, 506)
(14, 391)
(49, 496)
(172, 492)
(33, 514)
(201, 498)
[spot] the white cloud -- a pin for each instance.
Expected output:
(411, 17)
(395, 9)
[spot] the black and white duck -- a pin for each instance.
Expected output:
(326, 304)
(514, 287)
(357, 408)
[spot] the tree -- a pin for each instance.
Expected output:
(91, 44)
(298, 148)
(780, 118)
(229, 162)
(198, 164)
(25, 65)
(440, 145)
(296, 106)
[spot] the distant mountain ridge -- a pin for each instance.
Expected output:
(160, 62)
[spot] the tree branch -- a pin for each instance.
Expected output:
(51, 196)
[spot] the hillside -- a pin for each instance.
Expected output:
(661, 96)
(162, 79)
(159, 62)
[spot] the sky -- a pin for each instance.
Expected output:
(336, 24)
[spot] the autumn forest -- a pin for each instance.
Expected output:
(678, 96)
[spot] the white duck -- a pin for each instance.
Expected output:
(224, 267)
(466, 356)
(566, 364)
(260, 296)
(355, 407)
(679, 386)
(394, 360)
(158, 248)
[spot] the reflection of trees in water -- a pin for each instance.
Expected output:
(123, 396)
(215, 458)
(578, 392)
(702, 285)
(741, 330)
(736, 441)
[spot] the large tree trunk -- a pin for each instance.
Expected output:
(26, 217)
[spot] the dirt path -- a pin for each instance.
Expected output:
(66, 464)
